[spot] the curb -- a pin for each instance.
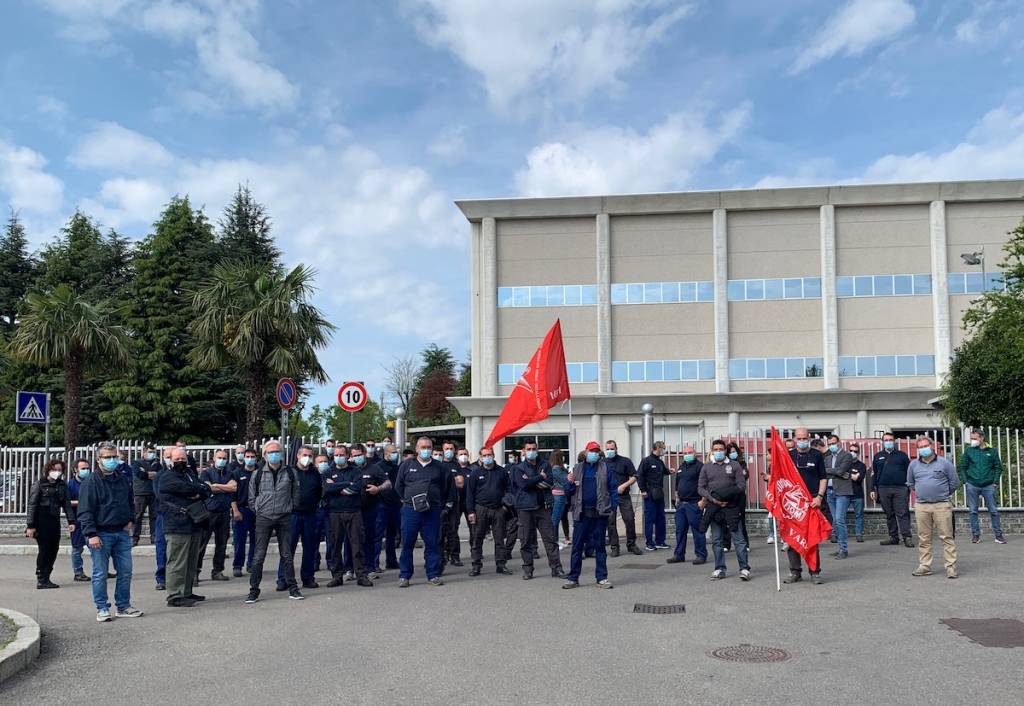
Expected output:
(24, 649)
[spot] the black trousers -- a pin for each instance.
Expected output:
(346, 525)
(282, 527)
(628, 517)
(531, 522)
(218, 527)
(895, 501)
(452, 547)
(511, 531)
(142, 504)
(796, 563)
(48, 541)
(488, 519)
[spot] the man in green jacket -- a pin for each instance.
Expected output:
(979, 471)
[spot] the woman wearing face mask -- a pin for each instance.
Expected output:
(559, 476)
(48, 498)
(735, 454)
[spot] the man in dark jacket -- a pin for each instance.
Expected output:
(532, 481)
(105, 513)
(650, 478)
(222, 488)
(810, 464)
(389, 513)
(460, 472)
(342, 489)
(243, 530)
(181, 490)
(889, 487)
(423, 486)
(592, 492)
(722, 485)
(375, 483)
(625, 477)
(304, 518)
(839, 492)
(273, 494)
(48, 498)
(144, 470)
(486, 486)
(689, 508)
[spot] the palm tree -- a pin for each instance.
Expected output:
(60, 328)
(253, 316)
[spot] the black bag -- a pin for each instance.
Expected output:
(508, 500)
(657, 492)
(420, 502)
(197, 512)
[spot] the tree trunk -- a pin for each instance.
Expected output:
(256, 384)
(72, 398)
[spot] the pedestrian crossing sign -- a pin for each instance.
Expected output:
(32, 408)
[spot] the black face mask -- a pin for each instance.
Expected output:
(180, 466)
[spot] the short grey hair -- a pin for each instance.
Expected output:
(106, 446)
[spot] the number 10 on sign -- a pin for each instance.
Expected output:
(352, 398)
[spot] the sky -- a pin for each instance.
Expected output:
(358, 124)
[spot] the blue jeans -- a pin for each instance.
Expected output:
(389, 523)
(243, 532)
(718, 545)
(654, 521)
(858, 514)
(688, 516)
(77, 546)
(322, 535)
(557, 510)
(160, 543)
(428, 526)
(588, 532)
(987, 492)
(841, 503)
(304, 527)
(116, 546)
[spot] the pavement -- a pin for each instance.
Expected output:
(870, 633)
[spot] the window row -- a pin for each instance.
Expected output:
(509, 373)
(975, 282)
(662, 370)
(741, 290)
(886, 365)
(775, 368)
(883, 285)
(552, 295)
(663, 292)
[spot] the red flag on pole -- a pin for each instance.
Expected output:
(801, 526)
(543, 385)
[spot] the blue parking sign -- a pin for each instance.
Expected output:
(32, 408)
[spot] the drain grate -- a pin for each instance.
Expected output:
(659, 609)
(639, 566)
(752, 654)
(990, 632)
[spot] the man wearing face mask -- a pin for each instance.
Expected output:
(889, 487)
(237, 460)
(689, 508)
(722, 485)
(181, 492)
(389, 512)
(423, 484)
(934, 479)
(193, 465)
(651, 479)
(48, 498)
(375, 483)
(486, 486)
(160, 541)
(857, 473)
(222, 487)
(243, 520)
(105, 512)
(811, 466)
(273, 494)
(839, 492)
(980, 470)
(329, 448)
(372, 455)
(304, 519)
(592, 495)
(532, 481)
(460, 471)
(81, 472)
(625, 478)
(144, 470)
(342, 488)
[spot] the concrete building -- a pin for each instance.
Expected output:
(837, 308)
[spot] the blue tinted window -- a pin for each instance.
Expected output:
(883, 286)
(866, 365)
(636, 371)
(573, 371)
(795, 367)
(794, 288)
(903, 284)
(687, 291)
(738, 369)
(814, 367)
(737, 290)
(521, 296)
(776, 367)
(538, 296)
(672, 370)
(707, 370)
(847, 366)
(670, 292)
(518, 370)
(705, 291)
(755, 368)
(588, 372)
(975, 282)
(922, 284)
(652, 293)
(588, 294)
(620, 372)
(994, 281)
(812, 287)
(906, 365)
(556, 296)
(863, 286)
(755, 289)
(844, 286)
(925, 365)
(655, 371)
(619, 294)
(690, 370)
(572, 294)
(505, 296)
(957, 283)
(773, 289)
(505, 376)
(885, 365)
(635, 293)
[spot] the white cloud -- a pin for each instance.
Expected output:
(24, 181)
(989, 22)
(527, 46)
(854, 28)
(610, 159)
(124, 201)
(450, 145)
(112, 147)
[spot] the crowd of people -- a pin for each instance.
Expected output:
(368, 500)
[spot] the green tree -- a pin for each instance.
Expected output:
(63, 328)
(86, 261)
(17, 267)
(244, 231)
(163, 395)
(985, 385)
(251, 316)
(369, 423)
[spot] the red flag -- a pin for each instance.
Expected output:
(800, 526)
(543, 385)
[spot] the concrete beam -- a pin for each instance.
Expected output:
(940, 290)
(489, 307)
(829, 313)
(604, 304)
(720, 251)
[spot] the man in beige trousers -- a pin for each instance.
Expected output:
(934, 480)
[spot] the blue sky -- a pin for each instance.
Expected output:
(358, 123)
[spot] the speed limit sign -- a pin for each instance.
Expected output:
(352, 396)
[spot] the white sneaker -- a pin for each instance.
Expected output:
(604, 584)
(349, 576)
(129, 612)
(103, 616)
(718, 574)
(769, 540)
(744, 574)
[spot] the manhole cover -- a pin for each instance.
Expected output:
(989, 632)
(750, 653)
(639, 566)
(659, 609)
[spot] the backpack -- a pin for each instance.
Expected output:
(259, 475)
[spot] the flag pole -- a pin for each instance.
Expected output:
(775, 549)
(571, 461)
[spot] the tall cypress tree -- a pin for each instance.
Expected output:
(245, 230)
(163, 395)
(16, 266)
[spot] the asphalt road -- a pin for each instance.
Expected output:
(870, 633)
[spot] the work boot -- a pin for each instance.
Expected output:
(614, 552)
(195, 597)
(475, 571)
(188, 603)
(557, 573)
(335, 582)
(456, 561)
(505, 570)
(46, 583)
(675, 560)
(218, 576)
(237, 573)
(793, 578)
(527, 574)
(82, 578)
(817, 579)
(921, 571)
(635, 550)
(891, 542)
(364, 581)
(908, 542)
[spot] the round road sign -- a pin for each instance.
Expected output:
(352, 396)
(287, 393)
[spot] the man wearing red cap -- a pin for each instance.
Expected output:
(593, 496)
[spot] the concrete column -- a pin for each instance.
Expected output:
(596, 432)
(863, 427)
(604, 305)
(940, 290)
(720, 239)
(476, 436)
(829, 315)
(488, 308)
(734, 423)
(474, 305)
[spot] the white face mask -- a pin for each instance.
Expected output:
(305, 460)
(463, 459)
(975, 443)
(54, 475)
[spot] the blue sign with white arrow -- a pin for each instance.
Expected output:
(32, 408)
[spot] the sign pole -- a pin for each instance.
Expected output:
(351, 427)
(46, 434)
(284, 433)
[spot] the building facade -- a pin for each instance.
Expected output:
(836, 308)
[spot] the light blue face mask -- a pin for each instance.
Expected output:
(109, 464)
(240, 458)
(323, 466)
(609, 453)
(250, 461)
(340, 461)
(274, 457)
(719, 455)
(359, 460)
(221, 462)
(84, 473)
(393, 456)
(925, 452)
(889, 445)
(834, 448)
(593, 456)
(425, 454)
(803, 444)
(449, 455)
(151, 456)
(487, 460)
(689, 458)
(531, 455)
(733, 455)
